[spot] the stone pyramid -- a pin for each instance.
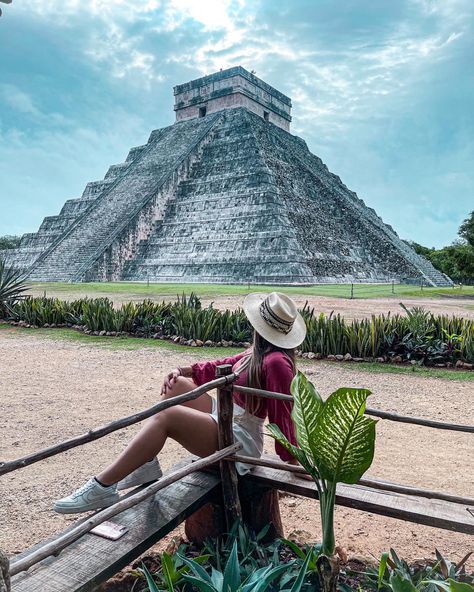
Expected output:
(225, 194)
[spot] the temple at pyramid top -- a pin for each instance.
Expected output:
(229, 89)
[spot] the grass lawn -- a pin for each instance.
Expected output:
(136, 290)
(133, 343)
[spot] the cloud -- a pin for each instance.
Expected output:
(18, 99)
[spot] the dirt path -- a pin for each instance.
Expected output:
(51, 389)
(360, 309)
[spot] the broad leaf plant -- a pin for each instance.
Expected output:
(336, 444)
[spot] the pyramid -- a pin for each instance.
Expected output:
(226, 194)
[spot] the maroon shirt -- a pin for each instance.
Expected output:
(277, 374)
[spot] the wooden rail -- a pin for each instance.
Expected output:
(441, 425)
(96, 433)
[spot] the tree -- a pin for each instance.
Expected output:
(9, 241)
(466, 230)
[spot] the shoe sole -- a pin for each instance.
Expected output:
(88, 508)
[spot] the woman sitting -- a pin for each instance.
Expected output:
(269, 365)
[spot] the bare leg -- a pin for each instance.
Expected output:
(193, 429)
(184, 385)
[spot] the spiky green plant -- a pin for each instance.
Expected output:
(12, 288)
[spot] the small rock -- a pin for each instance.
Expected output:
(102, 333)
(330, 357)
(193, 343)
(108, 333)
(459, 364)
(347, 358)
(339, 357)
(46, 325)
(291, 503)
(357, 359)
(380, 360)
(247, 344)
(397, 359)
(440, 365)
(468, 366)
(305, 355)
(208, 343)
(225, 344)
(199, 343)
(311, 355)
(318, 356)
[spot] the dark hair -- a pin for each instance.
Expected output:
(261, 347)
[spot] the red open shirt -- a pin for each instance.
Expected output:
(277, 374)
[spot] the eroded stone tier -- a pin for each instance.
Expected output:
(227, 197)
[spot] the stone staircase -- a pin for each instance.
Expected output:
(130, 185)
(226, 222)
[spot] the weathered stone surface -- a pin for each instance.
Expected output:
(228, 197)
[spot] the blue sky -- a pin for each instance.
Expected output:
(382, 91)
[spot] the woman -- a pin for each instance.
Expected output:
(269, 365)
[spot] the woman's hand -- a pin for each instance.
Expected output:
(170, 380)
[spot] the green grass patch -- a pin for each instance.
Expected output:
(134, 290)
(124, 343)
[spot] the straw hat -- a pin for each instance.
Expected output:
(275, 318)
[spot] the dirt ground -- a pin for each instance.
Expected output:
(359, 309)
(52, 389)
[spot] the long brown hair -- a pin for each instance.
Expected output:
(261, 347)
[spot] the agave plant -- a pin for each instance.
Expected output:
(230, 580)
(12, 287)
(395, 575)
(335, 445)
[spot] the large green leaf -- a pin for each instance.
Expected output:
(345, 437)
(231, 580)
(460, 586)
(399, 584)
(306, 409)
(298, 453)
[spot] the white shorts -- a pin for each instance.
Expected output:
(248, 431)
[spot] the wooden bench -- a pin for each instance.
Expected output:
(91, 560)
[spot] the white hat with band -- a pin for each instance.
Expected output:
(275, 317)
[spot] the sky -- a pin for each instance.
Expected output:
(382, 91)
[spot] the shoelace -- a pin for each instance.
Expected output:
(82, 490)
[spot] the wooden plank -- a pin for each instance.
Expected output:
(440, 514)
(91, 560)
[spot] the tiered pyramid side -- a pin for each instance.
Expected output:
(259, 207)
(227, 223)
(73, 253)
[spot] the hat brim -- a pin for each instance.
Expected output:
(293, 339)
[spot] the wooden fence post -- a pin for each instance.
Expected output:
(225, 408)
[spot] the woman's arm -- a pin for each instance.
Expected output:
(203, 372)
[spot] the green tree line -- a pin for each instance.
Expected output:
(457, 259)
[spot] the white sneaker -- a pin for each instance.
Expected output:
(90, 496)
(147, 473)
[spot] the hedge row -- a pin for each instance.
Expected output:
(417, 336)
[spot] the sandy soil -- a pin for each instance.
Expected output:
(359, 309)
(51, 389)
